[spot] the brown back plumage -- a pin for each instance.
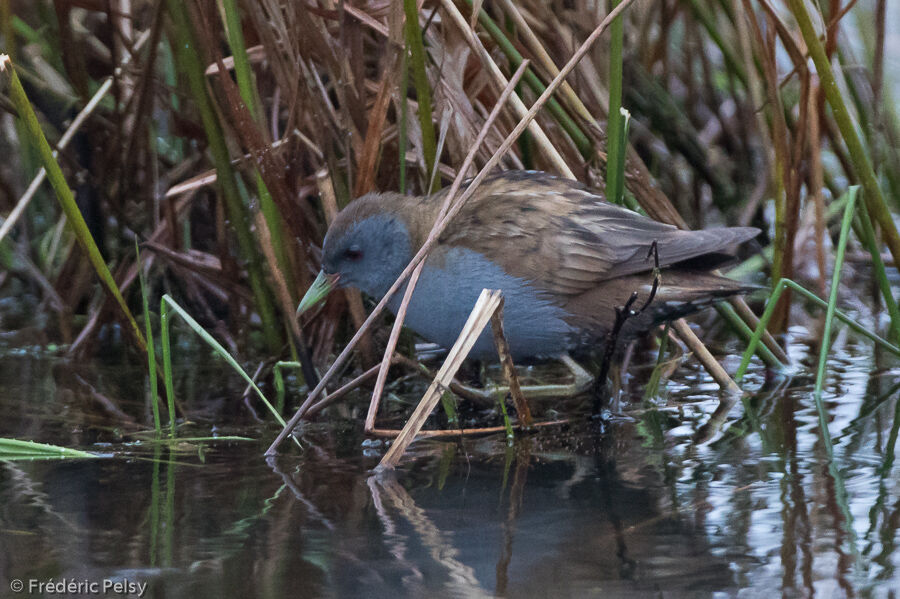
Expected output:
(555, 232)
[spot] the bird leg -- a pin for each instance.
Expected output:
(601, 391)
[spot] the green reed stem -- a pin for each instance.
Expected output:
(189, 61)
(873, 197)
(846, 223)
(153, 516)
(652, 389)
(167, 363)
(151, 349)
(507, 423)
(615, 141)
(423, 88)
(840, 489)
(250, 95)
(278, 379)
(242, 71)
(169, 522)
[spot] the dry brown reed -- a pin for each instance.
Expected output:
(736, 121)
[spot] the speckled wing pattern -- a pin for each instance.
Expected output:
(567, 238)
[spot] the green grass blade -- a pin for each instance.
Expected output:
(219, 349)
(845, 318)
(14, 449)
(151, 350)
(760, 329)
(167, 303)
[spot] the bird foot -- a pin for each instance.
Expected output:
(582, 380)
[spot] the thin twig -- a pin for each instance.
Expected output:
(509, 369)
(467, 432)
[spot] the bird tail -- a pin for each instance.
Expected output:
(683, 292)
(680, 292)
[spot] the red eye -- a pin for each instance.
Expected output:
(353, 254)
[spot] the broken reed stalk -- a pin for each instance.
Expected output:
(706, 358)
(439, 227)
(484, 309)
(451, 196)
(209, 177)
(509, 369)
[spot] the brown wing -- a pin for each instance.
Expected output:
(567, 238)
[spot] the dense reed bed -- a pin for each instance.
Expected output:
(222, 137)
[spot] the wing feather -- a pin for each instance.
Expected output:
(568, 239)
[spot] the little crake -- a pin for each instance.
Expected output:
(564, 257)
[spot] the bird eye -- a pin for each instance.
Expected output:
(353, 253)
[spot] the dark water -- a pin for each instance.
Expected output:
(644, 509)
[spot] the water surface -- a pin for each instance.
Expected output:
(646, 508)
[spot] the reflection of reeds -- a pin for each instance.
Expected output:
(461, 578)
